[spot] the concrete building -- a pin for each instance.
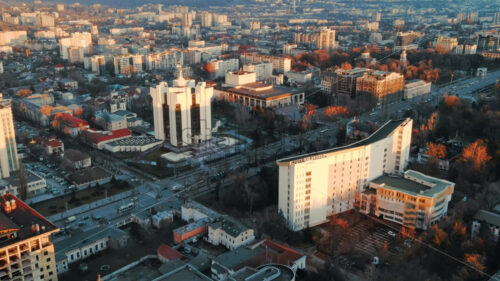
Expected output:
(287, 48)
(164, 60)
(381, 84)
(26, 252)
(182, 113)
(487, 219)
(221, 67)
(299, 77)
(236, 78)
(445, 43)
(404, 40)
(13, 38)
(77, 41)
(341, 81)
(280, 64)
(326, 39)
(206, 19)
(8, 148)
(416, 88)
(96, 63)
(128, 64)
(414, 200)
(262, 70)
(230, 233)
(84, 244)
(76, 159)
(315, 186)
(260, 94)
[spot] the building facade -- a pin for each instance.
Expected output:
(317, 185)
(229, 233)
(414, 200)
(8, 147)
(280, 64)
(26, 252)
(182, 113)
(416, 88)
(380, 84)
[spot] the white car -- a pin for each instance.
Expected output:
(391, 233)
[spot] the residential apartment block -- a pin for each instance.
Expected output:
(280, 64)
(381, 84)
(317, 185)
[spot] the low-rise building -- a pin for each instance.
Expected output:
(75, 159)
(490, 220)
(83, 244)
(191, 230)
(166, 253)
(132, 144)
(416, 88)
(256, 255)
(414, 200)
(299, 77)
(264, 95)
(230, 233)
(70, 125)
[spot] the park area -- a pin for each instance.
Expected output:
(77, 198)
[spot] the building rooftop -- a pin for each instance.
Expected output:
(81, 238)
(18, 221)
(168, 252)
(414, 182)
(192, 226)
(230, 226)
(382, 132)
(264, 91)
(488, 217)
(186, 272)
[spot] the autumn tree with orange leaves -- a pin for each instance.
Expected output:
(346, 66)
(333, 111)
(476, 154)
(475, 260)
(436, 150)
(451, 101)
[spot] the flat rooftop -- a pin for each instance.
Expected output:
(20, 219)
(488, 217)
(379, 134)
(263, 91)
(186, 272)
(414, 183)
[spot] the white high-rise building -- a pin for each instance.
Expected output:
(326, 39)
(128, 64)
(206, 19)
(77, 40)
(262, 70)
(315, 186)
(187, 20)
(8, 149)
(182, 113)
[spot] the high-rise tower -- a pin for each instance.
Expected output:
(8, 149)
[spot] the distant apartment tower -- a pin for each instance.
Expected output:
(206, 19)
(98, 64)
(221, 67)
(380, 84)
(445, 43)
(8, 148)
(326, 39)
(315, 186)
(341, 81)
(77, 41)
(182, 113)
(163, 60)
(488, 42)
(405, 39)
(26, 247)
(187, 20)
(128, 64)
(280, 64)
(262, 70)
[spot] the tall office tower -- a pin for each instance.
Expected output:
(187, 20)
(8, 149)
(326, 39)
(26, 252)
(182, 113)
(315, 186)
(206, 19)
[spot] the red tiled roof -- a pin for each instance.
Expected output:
(72, 121)
(54, 143)
(116, 134)
(168, 253)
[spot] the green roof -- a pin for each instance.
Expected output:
(424, 185)
(379, 134)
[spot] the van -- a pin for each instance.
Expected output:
(70, 219)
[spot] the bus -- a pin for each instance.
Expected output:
(126, 208)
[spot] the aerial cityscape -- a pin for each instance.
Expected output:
(250, 140)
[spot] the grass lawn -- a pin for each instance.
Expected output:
(82, 197)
